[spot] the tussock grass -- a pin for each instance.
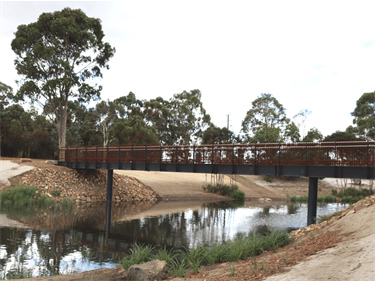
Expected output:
(320, 199)
(225, 190)
(23, 197)
(180, 260)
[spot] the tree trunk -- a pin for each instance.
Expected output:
(61, 130)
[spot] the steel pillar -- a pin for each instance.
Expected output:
(312, 201)
(109, 201)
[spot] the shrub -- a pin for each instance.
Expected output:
(238, 194)
(334, 192)
(268, 178)
(225, 190)
(55, 192)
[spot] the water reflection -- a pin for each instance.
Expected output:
(77, 239)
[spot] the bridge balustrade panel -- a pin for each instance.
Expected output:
(316, 154)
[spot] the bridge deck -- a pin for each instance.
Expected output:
(325, 159)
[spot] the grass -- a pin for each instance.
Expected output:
(320, 199)
(268, 179)
(225, 190)
(327, 217)
(180, 260)
(23, 197)
(352, 195)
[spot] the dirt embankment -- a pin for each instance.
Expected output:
(82, 185)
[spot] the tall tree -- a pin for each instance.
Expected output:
(266, 121)
(5, 92)
(313, 135)
(181, 120)
(55, 57)
(364, 117)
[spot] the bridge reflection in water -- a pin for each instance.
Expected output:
(347, 159)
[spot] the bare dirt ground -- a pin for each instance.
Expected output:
(172, 186)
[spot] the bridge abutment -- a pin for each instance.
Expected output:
(312, 200)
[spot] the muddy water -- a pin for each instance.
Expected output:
(76, 240)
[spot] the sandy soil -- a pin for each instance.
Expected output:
(7, 222)
(187, 186)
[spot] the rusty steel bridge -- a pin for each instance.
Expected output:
(337, 159)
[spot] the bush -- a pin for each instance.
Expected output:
(55, 192)
(225, 190)
(334, 192)
(238, 194)
(268, 178)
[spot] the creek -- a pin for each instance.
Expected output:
(68, 241)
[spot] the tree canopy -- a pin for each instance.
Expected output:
(265, 121)
(56, 56)
(364, 116)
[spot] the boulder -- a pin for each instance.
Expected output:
(148, 271)
(54, 162)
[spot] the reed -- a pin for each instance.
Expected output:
(179, 260)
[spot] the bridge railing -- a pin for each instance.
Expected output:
(324, 153)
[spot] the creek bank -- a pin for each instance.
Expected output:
(85, 186)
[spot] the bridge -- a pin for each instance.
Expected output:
(337, 159)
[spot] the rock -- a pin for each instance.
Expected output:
(54, 162)
(267, 199)
(148, 271)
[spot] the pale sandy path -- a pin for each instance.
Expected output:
(9, 169)
(171, 185)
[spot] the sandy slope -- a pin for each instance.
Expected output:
(171, 185)
(352, 259)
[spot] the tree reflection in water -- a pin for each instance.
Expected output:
(80, 242)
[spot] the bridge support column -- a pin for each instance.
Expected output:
(109, 201)
(312, 201)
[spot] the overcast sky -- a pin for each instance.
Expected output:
(315, 55)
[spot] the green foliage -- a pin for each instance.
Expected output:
(352, 195)
(225, 190)
(238, 195)
(55, 192)
(215, 134)
(266, 121)
(327, 217)
(139, 254)
(57, 54)
(26, 197)
(179, 260)
(268, 178)
(320, 199)
(364, 116)
(341, 136)
(313, 135)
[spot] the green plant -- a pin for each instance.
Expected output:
(268, 179)
(238, 194)
(232, 269)
(55, 192)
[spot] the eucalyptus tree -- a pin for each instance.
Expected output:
(364, 117)
(266, 121)
(56, 56)
(179, 120)
(5, 92)
(313, 135)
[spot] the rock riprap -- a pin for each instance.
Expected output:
(86, 185)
